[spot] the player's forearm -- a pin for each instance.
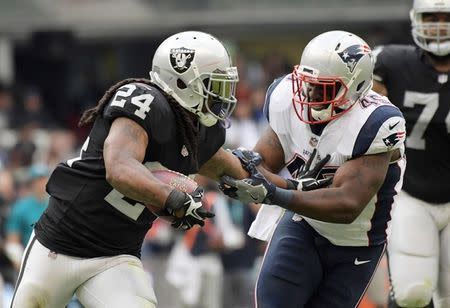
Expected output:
(123, 151)
(223, 163)
(232, 167)
(135, 181)
(327, 204)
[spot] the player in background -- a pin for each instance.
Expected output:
(88, 240)
(328, 243)
(25, 212)
(416, 80)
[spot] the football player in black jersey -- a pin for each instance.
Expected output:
(88, 241)
(416, 79)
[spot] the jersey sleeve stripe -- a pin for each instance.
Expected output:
(268, 95)
(383, 205)
(370, 129)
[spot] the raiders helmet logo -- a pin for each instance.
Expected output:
(181, 59)
(352, 54)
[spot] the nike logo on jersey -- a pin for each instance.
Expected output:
(357, 262)
(393, 125)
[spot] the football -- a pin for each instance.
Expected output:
(176, 180)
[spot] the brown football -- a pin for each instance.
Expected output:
(176, 180)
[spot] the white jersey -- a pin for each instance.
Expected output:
(371, 126)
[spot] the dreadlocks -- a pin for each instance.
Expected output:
(187, 130)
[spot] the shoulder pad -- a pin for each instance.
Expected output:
(383, 131)
(145, 105)
(278, 105)
(390, 58)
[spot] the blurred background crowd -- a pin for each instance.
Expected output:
(58, 57)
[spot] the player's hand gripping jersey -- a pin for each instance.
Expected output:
(83, 197)
(371, 126)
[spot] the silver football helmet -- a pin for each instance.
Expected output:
(195, 69)
(431, 36)
(335, 71)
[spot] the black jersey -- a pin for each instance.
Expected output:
(86, 217)
(423, 95)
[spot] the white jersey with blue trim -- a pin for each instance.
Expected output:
(371, 126)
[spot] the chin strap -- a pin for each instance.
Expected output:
(321, 115)
(206, 119)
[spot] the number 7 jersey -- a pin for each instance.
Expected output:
(423, 96)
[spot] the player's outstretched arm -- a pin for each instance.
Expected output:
(225, 163)
(124, 152)
(354, 184)
(269, 154)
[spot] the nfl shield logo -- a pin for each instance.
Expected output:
(313, 142)
(184, 151)
(181, 59)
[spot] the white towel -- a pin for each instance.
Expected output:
(265, 222)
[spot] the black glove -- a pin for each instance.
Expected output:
(194, 212)
(307, 178)
(249, 159)
(255, 189)
(251, 189)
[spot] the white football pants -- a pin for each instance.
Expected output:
(49, 280)
(1, 291)
(419, 252)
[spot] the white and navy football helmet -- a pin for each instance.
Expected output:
(433, 37)
(335, 71)
(195, 69)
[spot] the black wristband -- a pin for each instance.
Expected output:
(175, 201)
(281, 197)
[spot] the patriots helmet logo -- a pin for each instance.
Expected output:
(393, 139)
(352, 54)
(181, 59)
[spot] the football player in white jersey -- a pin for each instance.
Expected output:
(415, 78)
(328, 242)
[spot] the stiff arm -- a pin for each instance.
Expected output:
(225, 163)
